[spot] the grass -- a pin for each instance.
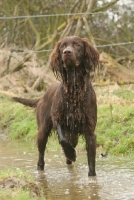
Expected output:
(21, 121)
(16, 184)
(124, 93)
(115, 130)
(18, 194)
(18, 173)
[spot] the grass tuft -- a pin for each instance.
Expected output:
(18, 120)
(18, 185)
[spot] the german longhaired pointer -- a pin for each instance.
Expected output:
(69, 107)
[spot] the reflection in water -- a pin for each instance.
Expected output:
(65, 182)
(115, 177)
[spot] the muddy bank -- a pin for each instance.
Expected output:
(13, 183)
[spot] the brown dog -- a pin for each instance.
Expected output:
(70, 106)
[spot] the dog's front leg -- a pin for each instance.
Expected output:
(91, 153)
(68, 149)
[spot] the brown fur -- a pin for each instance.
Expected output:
(70, 106)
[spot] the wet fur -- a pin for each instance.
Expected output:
(70, 106)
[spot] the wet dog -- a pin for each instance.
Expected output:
(69, 107)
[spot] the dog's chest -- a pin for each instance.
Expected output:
(74, 113)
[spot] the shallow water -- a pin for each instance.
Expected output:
(114, 180)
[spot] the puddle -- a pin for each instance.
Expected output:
(114, 180)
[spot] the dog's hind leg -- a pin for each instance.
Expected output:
(68, 149)
(91, 153)
(44, 122)
(42, 138)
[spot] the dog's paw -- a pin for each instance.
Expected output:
(68, 162)
(91, 174)
(40, 167)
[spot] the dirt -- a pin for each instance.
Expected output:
(12, 183)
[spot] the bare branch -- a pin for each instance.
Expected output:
(105, 6)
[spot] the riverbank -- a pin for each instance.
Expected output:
(18, 185)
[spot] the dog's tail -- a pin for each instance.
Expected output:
(26, 102)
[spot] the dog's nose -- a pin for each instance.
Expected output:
(67, 51)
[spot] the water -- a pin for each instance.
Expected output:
(114, 181)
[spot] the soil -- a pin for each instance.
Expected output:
(12, 183)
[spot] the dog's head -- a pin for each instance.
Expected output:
(73, 52)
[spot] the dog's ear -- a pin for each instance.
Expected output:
(91, 56)
(55, 59)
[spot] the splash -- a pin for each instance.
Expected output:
(67, 112)
(74, 96)
(74, 88)
(67, 104)
(67, 83)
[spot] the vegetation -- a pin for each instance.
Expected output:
(42, 32)
(115, 131)
(30, 29)
(19, 120)
(18, 185)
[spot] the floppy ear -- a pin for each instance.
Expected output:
(55, 60)
(91, 56)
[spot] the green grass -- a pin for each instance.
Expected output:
(18, 173)
(115, 130)
(18, 120)
(23, 188)
(17, 194)
(124, 93)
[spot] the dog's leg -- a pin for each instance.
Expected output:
(68, 149)
(91, 153)
(74, 141)
(41, 142)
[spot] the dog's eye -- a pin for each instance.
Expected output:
(76, 45)
(63, 45)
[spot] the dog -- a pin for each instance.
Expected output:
(70, 106)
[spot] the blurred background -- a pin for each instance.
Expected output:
(30, 29)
